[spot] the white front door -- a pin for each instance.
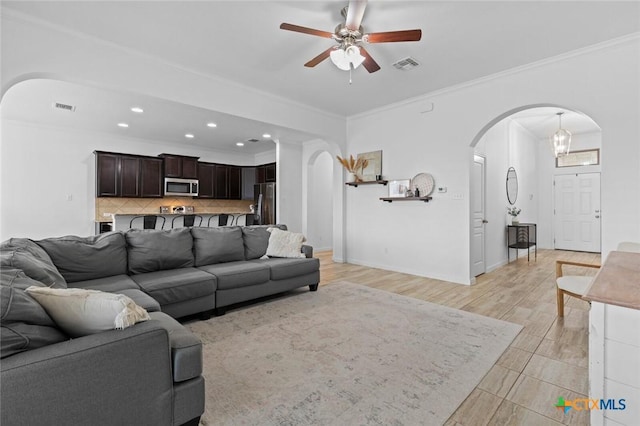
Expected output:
(477, 216)
(577, 212)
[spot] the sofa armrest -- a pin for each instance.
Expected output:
(110, 378)
(308, 251)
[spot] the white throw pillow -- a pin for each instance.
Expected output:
(79, 312)
(285, 243)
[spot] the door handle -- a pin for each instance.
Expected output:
(597, 211)
(597, 216)
(485, 221)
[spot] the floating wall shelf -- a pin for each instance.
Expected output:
(369, 182)
(391, 199)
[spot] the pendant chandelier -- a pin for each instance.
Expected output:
(561, 139)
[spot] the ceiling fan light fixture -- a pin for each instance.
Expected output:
(344, 58)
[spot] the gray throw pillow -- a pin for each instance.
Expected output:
(217, 245)
(152, 250)
(34, 267)
(24, 323)
(88, 258)
(256, 240)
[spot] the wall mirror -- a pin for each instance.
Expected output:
(512, 185)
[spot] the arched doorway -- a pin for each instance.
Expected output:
(320, 201)
(519, 139)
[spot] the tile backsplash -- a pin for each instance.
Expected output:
(117, 205)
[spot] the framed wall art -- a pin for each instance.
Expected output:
(398, 188)
(374, 165)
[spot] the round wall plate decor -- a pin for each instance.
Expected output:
(424, 182)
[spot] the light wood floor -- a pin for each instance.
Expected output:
(547, 360)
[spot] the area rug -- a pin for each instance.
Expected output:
(345, 355)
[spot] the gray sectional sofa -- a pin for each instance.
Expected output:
(149, 373)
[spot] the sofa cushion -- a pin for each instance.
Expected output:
(33, 266)
(141, 299)
(217, 245)
(156, 250)
(25, 324)
(87, 258)
(80, 312)
(176, 285)
(113, 284)
(27, 245)
(285, 243)
(256, 240)
(283, 268)
(238, 274)
(186, 348)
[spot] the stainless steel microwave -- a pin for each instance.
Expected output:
(181, 187)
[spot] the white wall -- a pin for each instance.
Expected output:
(433, 239)
(43, 166)
(289, 185)
(320, 203)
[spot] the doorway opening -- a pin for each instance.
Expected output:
(320, 202)
(519, 139)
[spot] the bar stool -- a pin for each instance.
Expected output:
(148, 221)
(187, 220)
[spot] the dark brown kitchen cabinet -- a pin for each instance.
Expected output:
(270, 172)
(260, 174)
(107, 174)
(266, 173)
(124, 175)
(151, 177)
(235, 183)
(129, 176)
(206, 178)
(222, 182)
(179, 166)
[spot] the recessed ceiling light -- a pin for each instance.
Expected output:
(212, 125)
(240, 143)
(266, 135)
(189, 136)
(137, 109)
(123, 125)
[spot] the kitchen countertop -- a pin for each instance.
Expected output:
(618, 281)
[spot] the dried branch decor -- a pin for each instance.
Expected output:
(353, 166)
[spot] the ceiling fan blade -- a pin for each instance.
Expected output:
(305, 30)
(369, 64)
(394, 36)
(355, 12)
(321, 57)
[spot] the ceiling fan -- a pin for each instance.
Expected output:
(349, 53)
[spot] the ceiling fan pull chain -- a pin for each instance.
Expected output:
(350, 70)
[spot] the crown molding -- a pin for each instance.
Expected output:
(509, 72)
(26, 18)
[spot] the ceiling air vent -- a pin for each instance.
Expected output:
(406, 64)
(65, 107)
(253, 140)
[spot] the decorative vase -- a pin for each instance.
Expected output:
(351, 177)
(515, 220)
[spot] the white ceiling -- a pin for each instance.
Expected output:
(543, 122)
(241, 41)
(101, 110)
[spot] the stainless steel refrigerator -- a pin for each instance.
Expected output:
(264, 197)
